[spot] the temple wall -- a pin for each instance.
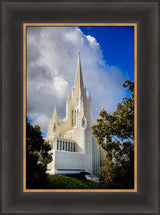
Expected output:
(67, 162)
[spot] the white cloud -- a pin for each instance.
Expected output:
(92, 41)
(39, 119)
(61, 86)
(52, 54)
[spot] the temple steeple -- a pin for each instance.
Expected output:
(79, 77)
(55, 116)
(72, 136)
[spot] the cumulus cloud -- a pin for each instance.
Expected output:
(52, 54)
(92, 41)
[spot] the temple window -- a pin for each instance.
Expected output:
(54, 127)
(63, 145)
(60, 145)
(57, 144)
(75, 115)
(72, 117)
(66, 146)
(84, 122)
(71, 147)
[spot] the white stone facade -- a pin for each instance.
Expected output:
(73, 146)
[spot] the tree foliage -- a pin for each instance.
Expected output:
(37, 157)
(115, 134)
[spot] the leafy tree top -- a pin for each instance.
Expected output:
(115, 127)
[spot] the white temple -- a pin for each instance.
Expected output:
(73, 146)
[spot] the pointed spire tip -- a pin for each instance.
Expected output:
(79, 78)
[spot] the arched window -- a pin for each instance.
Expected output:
(54, 127)
(72, 117)
(84, 122)
(75, 116)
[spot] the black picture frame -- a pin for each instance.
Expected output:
(14, 14)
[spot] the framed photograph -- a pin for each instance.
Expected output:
(75, 155)
(80, 124)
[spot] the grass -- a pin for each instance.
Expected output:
(65, 182)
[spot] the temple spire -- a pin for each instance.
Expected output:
(55, 116)
(79, 77)
(55, 111)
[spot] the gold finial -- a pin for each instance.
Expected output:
(79, 52)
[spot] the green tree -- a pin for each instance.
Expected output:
(37, 157)
(115, 134)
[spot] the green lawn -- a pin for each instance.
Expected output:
(65, 182)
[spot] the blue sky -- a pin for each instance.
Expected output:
(107, 58)
(117, 44)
